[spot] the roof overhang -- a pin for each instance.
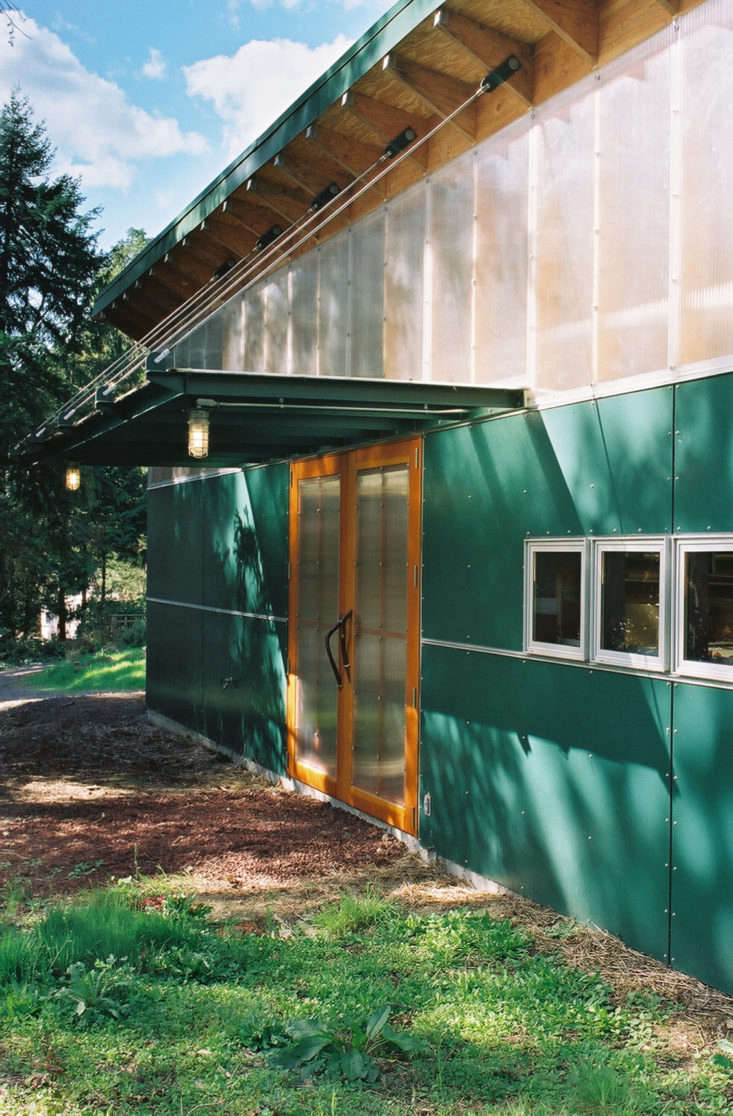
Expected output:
(420, 66)
(257, 417)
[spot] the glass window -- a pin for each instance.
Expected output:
(629, 603)
(706, 631)
(555, 593)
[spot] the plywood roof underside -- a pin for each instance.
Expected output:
(419, 82)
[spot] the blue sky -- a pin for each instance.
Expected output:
(147, 100)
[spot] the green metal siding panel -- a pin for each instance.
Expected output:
(174, 542)
(553, 781)
(174, 663)
(615, 457)
(244, 531)
(591, 468)
(244, 688)
(222, 543)
(269, 494)
(702, 845)
(704, 455)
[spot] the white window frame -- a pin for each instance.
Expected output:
(635, 544)
(554, 546)
(695, 544)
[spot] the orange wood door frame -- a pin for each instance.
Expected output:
(347, 466)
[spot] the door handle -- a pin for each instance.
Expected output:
(339, 626)
(342, 641)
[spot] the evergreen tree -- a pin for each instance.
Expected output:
(49, 261)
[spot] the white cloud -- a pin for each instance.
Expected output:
(249, 89)
(155, 66)
(99, 135)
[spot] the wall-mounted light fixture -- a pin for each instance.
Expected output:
(500, 74)
(198, 432)
(326, 195)
(399, 143)
(73, 477)
(267, 238)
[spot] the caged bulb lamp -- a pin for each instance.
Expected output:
(73, 478)
(198, 432)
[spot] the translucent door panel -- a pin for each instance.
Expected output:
(316, 703)
(380, 632)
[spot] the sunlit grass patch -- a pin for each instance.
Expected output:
(131, 1000)
(103, 671)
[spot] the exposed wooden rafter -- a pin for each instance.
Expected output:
(233, 236)
(284, 204)
(671, 6)
(575, 21)
(440, 93)
(386, 121)
(351, 155)
(183, 271)
(308, 178)
(157, 298)
(489, 49)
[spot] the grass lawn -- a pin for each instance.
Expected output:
(130, 1000)
(105, 670)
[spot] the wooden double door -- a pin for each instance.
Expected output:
(354, 628)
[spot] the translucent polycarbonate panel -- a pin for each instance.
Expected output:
(380, 661)
(232, 345)
(381, 548)
(304, 315)
(630, 602)
(403, 285)
(319, 500)
(254, 329)
(277, 321)
(564, 273)
(633, 219)
(367, 296)
(706, 42)
(181, 353)
(394, 700)
(502, 188)
(369, 549)
(316, 704)
(211, 336)
(379, 716)
(333, 306)
(395, 490)
(451, 241)
(319, 518)
(193, 349)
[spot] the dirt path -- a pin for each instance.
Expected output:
(91, 790)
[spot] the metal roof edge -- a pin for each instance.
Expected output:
(377, 41)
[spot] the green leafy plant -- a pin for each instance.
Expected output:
(97, 991)
(352, 1055)
(724, 1059)
(83, 869)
